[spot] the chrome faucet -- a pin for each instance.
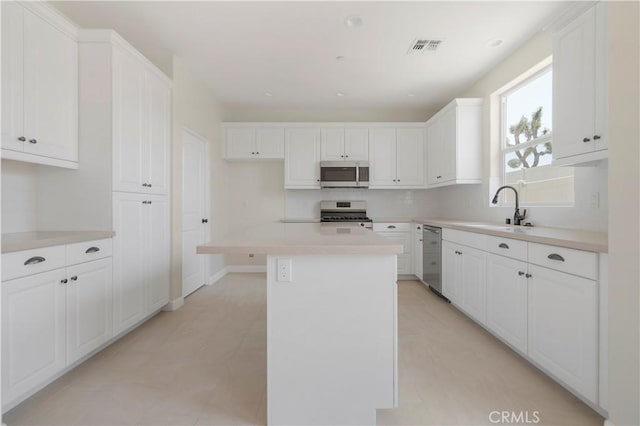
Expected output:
(517, 217)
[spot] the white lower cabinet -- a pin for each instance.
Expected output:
(463, 277)
(563, 327)
(507, 300)
(451, 271)
(401, 234)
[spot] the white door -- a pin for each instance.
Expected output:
(33, 331)
(157, 253)
(382, 154)
(507, 300)
(158, 143)
(240, 142)
(473, 283)
(451, 271)
(89, 307)
(332, 147)
(270, 143)
(129, 272)
(563, 327)
(434, 169)
(50, 90)
(447, 149)
(194, 211)
(302, 158)
(356, 144)
(13, 136)
(410, 157)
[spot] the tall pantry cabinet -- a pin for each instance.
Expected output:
(125, 110)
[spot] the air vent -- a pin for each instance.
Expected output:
(424, 45)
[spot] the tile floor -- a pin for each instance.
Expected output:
(205, 364)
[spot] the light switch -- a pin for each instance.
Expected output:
(283, 265)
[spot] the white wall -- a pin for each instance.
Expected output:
(19, 196)
(624, 226)
(195, 109)
(473, 202)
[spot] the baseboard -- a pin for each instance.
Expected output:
(247, 268)
(174, 304)
(218, 275)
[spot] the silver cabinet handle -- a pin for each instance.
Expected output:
(33, 141)
(585, 140)
(528, 275)
(35, 260)
(64, 281)
(503, 245)
(391, 227)
(520, 273)
(74, 278)
(555, 256)
(92, 250)
(596, 137)
(357, 174)
(22, 139)
(438, 177)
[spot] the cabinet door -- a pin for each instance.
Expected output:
(601, 77)
(157, 253)
(410, 157)
(356, 144)
(434, 169)
(33, 332)
(240, 143)
(12, 76)
(270, 143)
(447, 149)
(417, 253)
(507, 300)
(130, 217)
(128, 123)
(302, 158)
(89, 307)
(405, 258)
(158, 143)
(563, 324)
(50, 90)
(574, 87)
(451, 271)
(382, 154)
(473, 283)
(332, 146)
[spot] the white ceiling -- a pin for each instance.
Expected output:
(244, 49)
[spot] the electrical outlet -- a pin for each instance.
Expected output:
(283, 266)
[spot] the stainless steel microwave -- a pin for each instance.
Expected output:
(344, 174)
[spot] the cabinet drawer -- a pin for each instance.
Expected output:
(470, 239)
(508, 247)
(88, 250)
(28, 262)
(576, 262)
(391, 227)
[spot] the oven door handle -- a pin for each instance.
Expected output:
(357, 174)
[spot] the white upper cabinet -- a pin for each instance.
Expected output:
(141, 114)
(302, 158)
(454, 144)
(350, 144)
(251, 143)
(39, 86)
(397, 157)
(580, 88)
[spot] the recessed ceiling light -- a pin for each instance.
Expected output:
(268, 94)
(411, 95)
(495, 42)
(339, 94)
(339, 58)
(354, 21)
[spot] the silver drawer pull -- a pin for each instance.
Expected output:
(503, 245)
(35, 260)
(391, 227)
(92, 250)
(555, 256)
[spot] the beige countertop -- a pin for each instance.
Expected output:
(302, 238)
(30, 240)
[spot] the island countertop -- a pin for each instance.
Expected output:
(302, 238)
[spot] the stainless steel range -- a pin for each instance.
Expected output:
(345, 211)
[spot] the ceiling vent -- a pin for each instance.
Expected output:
(424, 45)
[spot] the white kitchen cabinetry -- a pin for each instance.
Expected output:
(39, 86)
(464, 279)
(302, 158)
(401, 233)
(417, 251)
(251, 143)
(340, 144)
(52, 319)
(141, 254)
(141, 115)
(580, 88)
(397, 157)
(454, 144)
(451, 271)
(507, 300)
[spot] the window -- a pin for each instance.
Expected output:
(527, 145)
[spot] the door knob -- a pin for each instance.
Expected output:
(596, 137)
(205, 220)
(585, 140)
(33, 141)
(22, 139)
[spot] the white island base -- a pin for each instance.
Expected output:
(331, 338)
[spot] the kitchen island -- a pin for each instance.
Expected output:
(331, 320)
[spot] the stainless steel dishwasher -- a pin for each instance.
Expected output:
(432, 257)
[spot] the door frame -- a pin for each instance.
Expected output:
(207, 198)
